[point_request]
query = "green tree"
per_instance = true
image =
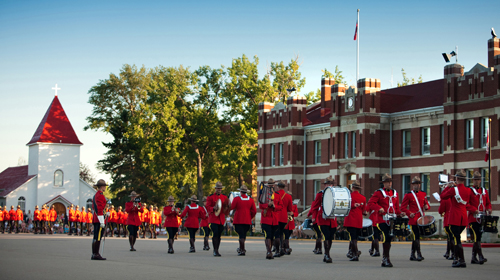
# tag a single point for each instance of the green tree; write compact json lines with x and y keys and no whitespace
{"x":285,"y":77}
{"x":337,"y":75}
{"x":409,"y":81}
{"x":313,"y":96}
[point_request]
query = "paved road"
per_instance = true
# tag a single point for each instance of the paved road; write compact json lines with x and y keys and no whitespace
{"x":27,"y":256}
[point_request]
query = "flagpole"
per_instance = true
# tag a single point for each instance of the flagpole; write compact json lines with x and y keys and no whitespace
{"x":357,"y":53}
{"x":489,"y":158}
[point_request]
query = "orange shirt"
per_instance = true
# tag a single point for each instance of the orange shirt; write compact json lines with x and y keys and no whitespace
{"x":53,"y":215}
{"x":78,"y":216}
{"x":89,"y":217}
{"x":152,"y":217}
{"x":145,"y":216}
{"x":36,"y":215}
{"x":72,"y":215}
{"x":84,"y":216}
{"x":19,"y":215}
{"x":1,"y":216}
{"x":44,"y":215}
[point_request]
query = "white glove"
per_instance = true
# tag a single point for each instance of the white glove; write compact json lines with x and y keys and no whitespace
{"x":101,"y":220}
{"x":107,"y":214}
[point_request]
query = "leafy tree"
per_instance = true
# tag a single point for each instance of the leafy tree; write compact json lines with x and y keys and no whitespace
{"x":285,"y":77}
{"x":409,"y":81}
{"x":337,"y":75}
{"x":86,"y":175}
{"x":313,"y":96}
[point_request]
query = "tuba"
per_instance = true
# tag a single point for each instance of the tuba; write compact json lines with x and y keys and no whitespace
{"x":265,"y":193}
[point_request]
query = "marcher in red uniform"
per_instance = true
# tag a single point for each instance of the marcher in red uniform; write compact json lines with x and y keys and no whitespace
{"x":145,"y":220}
{"x":12,"y":219}
{"x":286,"y":209}
{"x":374,"y":250}
{"x":171,"y":223}
{"x":204,"y":226}
{"x":125,"y":218}
{"x":89,"y":221}
{"x":193,"y":212}
{"x":78,"y":220}
{"x":317,"y":248}
{"x":112,"y":221}
{"x":244,"y":211}
{"x":19,"y":218}
{"x":459,"y":196}
{"x":217,"y":222}
{"x":119,"y":221}
{"x":385,"y":202}
{"x":44,"y":216}
{"x":152,"y":221}
{"x":71,"y":219}
{"x":290,"y":226}
{"x":2,"y":222}
{"x":269,"y":218}
{"x":83,"y":220}
{"x":328,"y":227}
{"x":444,"y":211}
{"x":414,"y":204}
{"x":353,"y":222}
{"x":98,"y":206}
{"x":133,"y":208}
{"x":52,"y":218}
{"x":36,"y":220}
{"x":157,"y":225}
{"x":482,"y":205}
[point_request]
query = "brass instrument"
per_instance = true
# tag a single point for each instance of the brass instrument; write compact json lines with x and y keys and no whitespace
{"x":265,"y":193}
{"x":290,"y":218}
{"x":218,"y":204}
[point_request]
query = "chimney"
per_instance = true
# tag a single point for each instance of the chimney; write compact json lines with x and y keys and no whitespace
{"x":454,"y":70}
{"x":493,"y":50}
{"x":326,"y":91}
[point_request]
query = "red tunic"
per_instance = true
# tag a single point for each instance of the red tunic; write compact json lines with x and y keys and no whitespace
{"x":313,"y":215}
{"x":89,"y":217}
{"x":444,"y":210}
{"x":12,"y":215}
{"x":378,"y":201}
{"x":145,"y":216}
{"x":71,"y":214}
{"x":1,"y":215}
{"x":211,"y":201}
{"x":170,"y":217}
{"x":291,"y":224}
{"x":98,"y":205}
{"x":119,"y":214}
{"x":475,"y":202}
{"x":286,"y":202}
{"x":204,"y":219}
{"x":458,"y":211}
{"x":269,"y":214}
{"x":6,"y":215}
{"x":44,"y":214}
{"x":410,"y":206}
{"x":355,"y":217}
{"x":193,"y":212}
{"x":19,"y":215}
{"x":113,"y":218}
{"x":244,"y":210}
{"x":133,"y":213}
{"x":318,"y":212}
{"x":78,"y":216}
{"x":36,"y":215}
{"x":83,"y":216}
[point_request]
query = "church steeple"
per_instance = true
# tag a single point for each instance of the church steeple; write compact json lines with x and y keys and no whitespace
{"x":55,"y":127}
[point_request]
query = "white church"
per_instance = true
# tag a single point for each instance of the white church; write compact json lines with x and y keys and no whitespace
{"x":52,"y":174}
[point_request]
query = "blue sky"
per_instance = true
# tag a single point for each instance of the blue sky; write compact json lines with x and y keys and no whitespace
{"x":77,"y":43}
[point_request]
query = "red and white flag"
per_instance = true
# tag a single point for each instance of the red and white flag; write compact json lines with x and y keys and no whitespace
{"x":356,"y":31}
{"x":487,"y":145}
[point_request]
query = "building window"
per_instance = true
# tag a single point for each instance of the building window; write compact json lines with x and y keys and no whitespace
{"x":484,"y":131}
{"x":406,"y":185}
{"x":346,"y":144}
{"x":353,"y":144}
{"x":273,"y":155}
{"x":468,"y":180}
{"x":426,"y":140}
{"x":317,"y":186}
{"x":282,"y":156}
{"x":406,"y":143}
{"x":469,"y":134}
{"x":22,"y":202}
{"x":58,"y":178}
{"x":426,"y":184}
{"x":88,"y":204}
{"x":317,"y":152}
{"x":442,"y":138}
{"x":485,"y":182}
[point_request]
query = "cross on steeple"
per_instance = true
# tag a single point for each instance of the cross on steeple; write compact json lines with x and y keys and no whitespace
{"x":56,"y":88}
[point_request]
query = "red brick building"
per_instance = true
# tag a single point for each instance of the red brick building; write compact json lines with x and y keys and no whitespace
{"x":364,"y":132}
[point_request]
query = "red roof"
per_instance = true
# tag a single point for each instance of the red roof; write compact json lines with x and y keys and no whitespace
{"x":12,"y":178}
{"x":55,"y":127}
{"x":313,"y":115}
{"x":417,"y":96}
{"x":59,"y":196}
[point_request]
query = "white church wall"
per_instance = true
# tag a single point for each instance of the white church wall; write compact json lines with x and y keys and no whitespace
{"x":33,"y":160}
{"x":53,"y":157}
{"x":86,"y":192}
{"x":28,"y":191}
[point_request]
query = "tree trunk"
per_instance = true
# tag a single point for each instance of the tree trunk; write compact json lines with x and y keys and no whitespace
{"x":199,"y":176}
{"x":240,"y":177}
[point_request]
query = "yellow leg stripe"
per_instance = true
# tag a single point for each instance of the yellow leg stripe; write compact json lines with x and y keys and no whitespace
{"x":349,"y":235}
{"x":413,"y":235}
{"x":99,"y":236}
{"x":322,"y":233}
{"x":383,"y":234}
{"x":475,"y":236}
{"x":204,"y":233}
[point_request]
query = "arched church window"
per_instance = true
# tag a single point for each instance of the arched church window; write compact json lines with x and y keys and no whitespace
{"x":58,"y":178}
{"x":22,"y":202}
{"x":89,"y":204}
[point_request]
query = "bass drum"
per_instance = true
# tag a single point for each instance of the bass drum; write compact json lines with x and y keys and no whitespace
{"x":490,"y":224}
{"x":401,"y":227}
{"x":336,"y":202}
{"x":307,"y":227}
{"x":427,"y":225}
{"x":367,"y":230}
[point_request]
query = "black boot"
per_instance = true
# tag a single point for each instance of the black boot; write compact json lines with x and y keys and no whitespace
{"x":480,"y":253}
{"x":288,"y":250}
{"x":447,"y":254}
{"x":452,"y":250}
{"x":318,"y":245}
{"x":216,"y":243}
{"x":269,"y":254}
{"x":96,"y":255}
{"x":131,"y":240}
{"x":474,"y":259}
{"x":282,"y":246}
{"x":170,"y":246}
{"x":355,"y":256}
{"x":206,"y":247}
{"x":376,"y":251}
{"x":371,"y":248}
{"x":277,"y":247}
{"x":386,"y":261}
{"x":412,"y":254}
{"x":242,"y":251}
{"x":191,"y":243}
{"x":349,"y":254}
{"x":327,"y":244}
{"x":459,"y":251}
{"x":419,"y":253}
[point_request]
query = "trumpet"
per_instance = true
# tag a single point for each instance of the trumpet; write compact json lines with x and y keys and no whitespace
{"x":290,"y":218}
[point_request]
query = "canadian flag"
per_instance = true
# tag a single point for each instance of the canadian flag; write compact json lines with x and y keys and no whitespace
{"x":487,"y":145}
{"x":356,"y":31}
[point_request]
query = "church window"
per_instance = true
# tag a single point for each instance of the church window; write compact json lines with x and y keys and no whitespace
{"x":22,"y":202}
{"x":58,"y":178}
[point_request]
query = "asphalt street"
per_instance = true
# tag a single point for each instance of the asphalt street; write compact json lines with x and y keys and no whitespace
{"x":28,"y":256}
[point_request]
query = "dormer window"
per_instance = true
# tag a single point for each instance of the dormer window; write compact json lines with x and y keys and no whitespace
{"x":58,"y":178}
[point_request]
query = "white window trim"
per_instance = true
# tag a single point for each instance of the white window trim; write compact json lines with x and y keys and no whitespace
{"x":428,"y":129}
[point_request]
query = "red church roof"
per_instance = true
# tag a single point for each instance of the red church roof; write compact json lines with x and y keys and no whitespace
{"x":12,"y":178}
{"x":55,"y":127}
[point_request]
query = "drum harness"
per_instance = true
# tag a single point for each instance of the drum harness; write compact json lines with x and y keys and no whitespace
{"x":418,"y":204}
{"x":481,"y":203}
{"x":391,"y":205}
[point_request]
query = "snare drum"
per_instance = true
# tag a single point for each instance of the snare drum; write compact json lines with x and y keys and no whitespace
{"x":427,"y":225}
{"x":336,"y":202}
{"x":367,"y":230}
{"x":401,"y":227}
{"x":490,"y":224}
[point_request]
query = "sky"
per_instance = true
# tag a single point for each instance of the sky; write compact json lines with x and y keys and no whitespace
{"x":74,"y":44}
